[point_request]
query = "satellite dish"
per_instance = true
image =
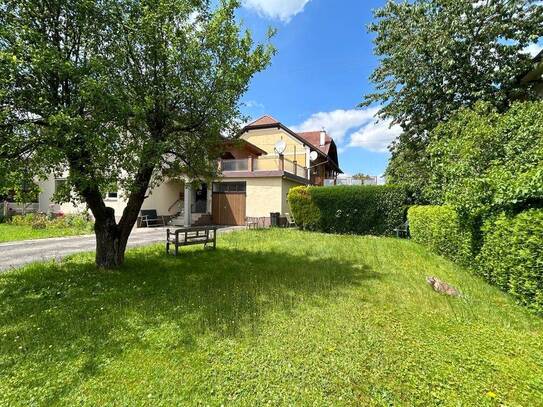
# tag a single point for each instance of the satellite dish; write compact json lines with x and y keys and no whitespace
{"x":280,"y":147}
{"x":313,"y":155}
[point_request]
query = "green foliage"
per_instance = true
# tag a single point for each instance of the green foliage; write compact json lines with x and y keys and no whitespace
{"x":438,"y":56}
{"x":484,"y":162}
{"x":304,"y":211}
{"x":274,"y":317}
{"x":441,"y":230}
{"x":121,"y":91}
{"x":374,"y":210}
{"x":512,"y":256}
{"x":42,"y":221}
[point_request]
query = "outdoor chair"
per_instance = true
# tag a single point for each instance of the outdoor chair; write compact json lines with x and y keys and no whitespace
{"x":402,"y":231}
{"x":290,"y":220}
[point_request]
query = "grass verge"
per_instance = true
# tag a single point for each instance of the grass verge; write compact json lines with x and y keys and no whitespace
{"x":9,"y":233}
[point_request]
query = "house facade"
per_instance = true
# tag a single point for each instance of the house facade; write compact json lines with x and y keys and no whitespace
{"x":256,"y":173}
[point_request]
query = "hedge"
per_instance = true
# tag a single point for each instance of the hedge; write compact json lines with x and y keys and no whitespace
{"x":512,"y":256}
{"x":305,"y":213}
{"x":374,"y":210}
{"x":441,"y":230}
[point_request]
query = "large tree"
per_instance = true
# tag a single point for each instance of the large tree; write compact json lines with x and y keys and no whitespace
{"x":121,"y":91}
{"x":437,"y":56}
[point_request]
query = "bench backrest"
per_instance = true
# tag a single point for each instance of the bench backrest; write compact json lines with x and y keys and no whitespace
{"x":150,"y":213}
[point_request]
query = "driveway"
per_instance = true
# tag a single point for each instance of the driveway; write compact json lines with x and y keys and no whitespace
{"x":17,"y":254}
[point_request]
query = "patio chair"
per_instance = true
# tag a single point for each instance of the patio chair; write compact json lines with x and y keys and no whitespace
{"x":290,"y":220}
{"x":251,"y":223}
{"x":402,"y":231}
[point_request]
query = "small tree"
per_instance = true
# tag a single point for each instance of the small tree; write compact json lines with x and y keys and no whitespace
{"x":122,"y":91}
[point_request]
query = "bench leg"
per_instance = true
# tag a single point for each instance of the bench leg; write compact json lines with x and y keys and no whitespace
{"x":176,"y":249}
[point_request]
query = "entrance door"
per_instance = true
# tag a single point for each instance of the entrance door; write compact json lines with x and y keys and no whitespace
{"x":229,"y":200}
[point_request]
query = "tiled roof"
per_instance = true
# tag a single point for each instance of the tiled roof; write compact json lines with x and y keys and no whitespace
{"x":314,"y":138}
{"x":264,"y":121}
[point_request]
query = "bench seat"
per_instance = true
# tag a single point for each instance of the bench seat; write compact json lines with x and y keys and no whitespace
{"x":190,"y":236}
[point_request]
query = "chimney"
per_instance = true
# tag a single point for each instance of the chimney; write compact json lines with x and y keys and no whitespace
{"x":323,"y":137}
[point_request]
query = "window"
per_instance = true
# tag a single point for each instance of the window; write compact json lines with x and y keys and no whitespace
{"x":112,"y":193}
{"x":223,"y":187}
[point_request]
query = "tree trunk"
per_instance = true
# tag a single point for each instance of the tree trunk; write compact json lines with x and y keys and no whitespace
{"x":110,"y":242}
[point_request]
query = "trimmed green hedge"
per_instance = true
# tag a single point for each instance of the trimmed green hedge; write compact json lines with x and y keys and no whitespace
{"x":305,"y":213}
{"x":374,"y":210}
{"x":512,"y":256}
{"x":440,"y":229}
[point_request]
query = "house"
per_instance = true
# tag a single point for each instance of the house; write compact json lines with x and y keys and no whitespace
{"x":256,"y":173}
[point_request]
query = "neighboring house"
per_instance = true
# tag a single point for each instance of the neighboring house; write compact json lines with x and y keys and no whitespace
{"x":254,"y":181}
{"x":535,"y":74}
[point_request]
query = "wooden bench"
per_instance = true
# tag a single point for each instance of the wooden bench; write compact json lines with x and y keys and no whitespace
{"x":149,"y":217}
{"x":191,"y":236}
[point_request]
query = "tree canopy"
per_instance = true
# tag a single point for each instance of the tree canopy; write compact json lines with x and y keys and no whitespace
{"x":437,"y":56}
{"x":122,"y":91}
{"x":483,"y":162}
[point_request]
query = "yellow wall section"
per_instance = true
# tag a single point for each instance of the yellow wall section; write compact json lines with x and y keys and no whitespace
{"x":263,"y":195}
{"x":266,"y":139}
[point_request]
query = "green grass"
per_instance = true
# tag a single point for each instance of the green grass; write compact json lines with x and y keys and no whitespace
{"x":271,"y":317}
{"x":10,"y":233}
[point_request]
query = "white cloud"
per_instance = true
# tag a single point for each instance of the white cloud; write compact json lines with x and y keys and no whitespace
{"x":282,"y":10}
{"x":533,"y":49}
{"x":338,"y":122}
{"x":253,"y":104}
{"x":375,"y":136}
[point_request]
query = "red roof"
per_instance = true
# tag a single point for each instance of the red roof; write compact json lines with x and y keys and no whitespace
{"x":314,"y":138}
{"x":264,"y":121}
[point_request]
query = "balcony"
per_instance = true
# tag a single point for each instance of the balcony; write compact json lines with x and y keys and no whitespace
{"x":266,"y":165}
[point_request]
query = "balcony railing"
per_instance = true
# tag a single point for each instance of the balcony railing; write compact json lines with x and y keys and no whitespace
{"x":266,"y":163}
{"x":235,"y":165}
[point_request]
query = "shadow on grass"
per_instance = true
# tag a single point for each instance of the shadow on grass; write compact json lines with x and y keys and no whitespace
{"x":59,"y":314}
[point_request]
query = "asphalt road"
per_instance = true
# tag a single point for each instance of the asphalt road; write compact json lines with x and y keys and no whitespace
{"x":17,"y":254}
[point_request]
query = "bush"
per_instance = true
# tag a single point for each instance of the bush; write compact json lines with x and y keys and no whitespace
{"x":512,"y":256}
{"x":375,"y":210}
{"x":41,"y":221}
{"x":441,"y":230}
{"x":305,"y":213}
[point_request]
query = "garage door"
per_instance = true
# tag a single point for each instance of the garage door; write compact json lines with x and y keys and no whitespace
{"x":229,"y":199}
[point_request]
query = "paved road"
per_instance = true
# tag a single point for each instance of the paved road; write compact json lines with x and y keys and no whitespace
{"x":16,"y":254}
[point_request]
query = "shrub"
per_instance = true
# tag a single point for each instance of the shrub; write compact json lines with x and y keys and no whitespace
{"x":41,"y":221}
{"x":441,"y":230}
{"x":484,"y":162}
{"x":512,"y":256}
{"x":375,"y":210}
{"x":305,"y":213}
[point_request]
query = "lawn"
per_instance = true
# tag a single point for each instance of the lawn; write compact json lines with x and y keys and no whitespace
{"x":272,"y":317}
{"x":10,"y":233}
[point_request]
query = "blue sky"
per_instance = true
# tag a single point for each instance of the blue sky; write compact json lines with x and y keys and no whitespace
{"x":320,"y":74}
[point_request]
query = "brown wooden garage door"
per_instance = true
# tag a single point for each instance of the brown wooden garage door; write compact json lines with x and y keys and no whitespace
{"x":229,"y":201}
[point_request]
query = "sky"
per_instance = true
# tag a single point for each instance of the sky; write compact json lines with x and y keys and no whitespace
{"x":321,"y":74}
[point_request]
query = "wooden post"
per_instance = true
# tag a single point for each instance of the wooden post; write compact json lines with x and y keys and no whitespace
{"x":250,"y":164}
{"x":295,"y":163}
{"x":281,"y":162}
